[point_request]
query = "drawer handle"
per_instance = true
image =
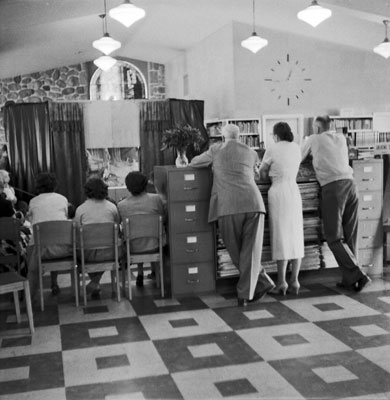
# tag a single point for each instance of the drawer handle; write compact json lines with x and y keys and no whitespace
{"x":368,"y":179}
{"x":192,"y":281}
{"x":368,"y":208}
{"x":367,"y":237}
{"x":189,"y":219}
{"x":368,"y":265}
{"x":190,"y":187}
{"x":192,"y":250}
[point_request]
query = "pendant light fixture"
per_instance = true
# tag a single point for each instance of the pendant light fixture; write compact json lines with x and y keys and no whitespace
{"x":127,"y":13}
{"x":254,"y":42}
{"x":314,"y":14}
{"x":106,"y":44}
{"x":383,"y":49}
{"x":105,"y":62}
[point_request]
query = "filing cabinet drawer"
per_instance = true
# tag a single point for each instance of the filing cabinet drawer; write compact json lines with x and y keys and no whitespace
{"x":371,"y":261}
{"x":368,"y":175}
{"x":193,"y":278}
{"x":189,"y":216}
{"x":189,"y":185}
{"x":370,"y":205}
{"x":192,"y":247}
{"x":370,"y":234}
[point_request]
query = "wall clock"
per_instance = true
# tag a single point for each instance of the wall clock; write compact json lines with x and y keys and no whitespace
{"x":288,"y":79}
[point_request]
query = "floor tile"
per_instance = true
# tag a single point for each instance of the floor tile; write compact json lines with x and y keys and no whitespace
{"x":188,"y":353}
{"x":45,"y":372}
{"x":379,"y":356}
{"x":44,"y":340}
{"x":14,"y":374}
{"x":256,"y":315}
{"x":159,"y":326}
{"x":267,"y":343}
{"x":254,"y":380}
{"x":357,"y":333}
{"x":378,"y":300}
{"x":143,"y":358}
{"x":315,"y":376}
{"x":41,"y":318}
{"x":96,"y":311}
{"x":49,"y":394}
{"x":153,"y":305}
{"x":152,"y":387}
{"x":329,"y":308}
{"x":105,"y":332}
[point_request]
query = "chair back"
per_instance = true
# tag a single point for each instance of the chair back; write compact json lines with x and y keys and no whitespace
{"x":99,"y":236}
{"x":51,"y":233}
{"x":143,"y":226}
{"x":10,"y":230}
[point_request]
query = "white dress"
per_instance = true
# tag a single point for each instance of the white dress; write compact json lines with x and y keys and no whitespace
{"x":284,"y":201}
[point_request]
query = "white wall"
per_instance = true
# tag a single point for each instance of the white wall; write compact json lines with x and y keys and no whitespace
{"x":231,"y":79}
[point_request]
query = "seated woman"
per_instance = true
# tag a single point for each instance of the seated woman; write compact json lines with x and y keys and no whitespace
{"x":46,"y":206}
{"x":8,"y":191}
{"x":140,"y":202}
{"x":96,"y":209}
{"x":280,"y":164}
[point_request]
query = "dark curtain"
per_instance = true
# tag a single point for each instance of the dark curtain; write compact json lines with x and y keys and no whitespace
{"x":154,"y":120}
{"x":69,"y":155}
{"x":191,"y":112}
{"x":30,"y":144}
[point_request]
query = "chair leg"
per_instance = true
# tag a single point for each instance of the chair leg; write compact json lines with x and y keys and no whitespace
{"x":124,"y":281}
{"x":112,"y":282}
{"x":41,"y":291}
{"x":162,"y":278}
{"x":17,"y":306}
{"x":118,"y":290}
{"x":84,"y":289}
{"x":129,"y":281}
{"x":75,"y":285}
{"x":28,"y":306}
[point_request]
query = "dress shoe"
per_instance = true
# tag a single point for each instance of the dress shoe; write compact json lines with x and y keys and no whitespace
{"x":294,"y":287}
{"x":256,"y":298}
{"x":361,"y":283}
{"x":281,"y":288}
{"x":140,"y":281}
{"x":55,"y":289}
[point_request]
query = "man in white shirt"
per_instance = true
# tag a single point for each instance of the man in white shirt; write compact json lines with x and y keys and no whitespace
{"x":339,"y":200}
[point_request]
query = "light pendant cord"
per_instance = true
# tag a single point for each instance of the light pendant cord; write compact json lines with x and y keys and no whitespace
{"x":253,"y":15}
{"x":386,"y":22}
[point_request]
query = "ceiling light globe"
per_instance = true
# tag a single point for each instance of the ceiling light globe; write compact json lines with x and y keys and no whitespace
{"x":254,"y":43}
{"x":314,"y":14}
{"x":105,"y":62}
{"x":383,"y":49}
{"x":106,"y":44}
{"x":127,"y":13}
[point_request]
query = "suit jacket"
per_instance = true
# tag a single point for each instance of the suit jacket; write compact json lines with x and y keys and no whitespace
{"x":234,"y":188}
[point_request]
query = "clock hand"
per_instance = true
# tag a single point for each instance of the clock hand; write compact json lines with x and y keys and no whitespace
{"x":289,"y":75}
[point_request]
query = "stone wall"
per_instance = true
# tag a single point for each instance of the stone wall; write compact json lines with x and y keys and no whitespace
{"x":64,"y":83}
{"x":156,"y":78}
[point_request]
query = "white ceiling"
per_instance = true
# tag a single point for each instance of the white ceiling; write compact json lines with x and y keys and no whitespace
{"x":40,"y":34}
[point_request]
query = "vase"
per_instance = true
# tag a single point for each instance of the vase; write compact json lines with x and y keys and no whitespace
{"x":181,"y":159}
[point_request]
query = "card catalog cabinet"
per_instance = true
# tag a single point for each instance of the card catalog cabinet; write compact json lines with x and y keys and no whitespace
{"x":368,"y":176}
{"x":191,"y":237}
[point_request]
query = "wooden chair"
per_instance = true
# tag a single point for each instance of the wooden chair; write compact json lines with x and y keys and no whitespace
{"x":53,"y":233}
{"x":10,"y":230}
{"x":144,"y":226}
{"x":100,"y":236}
{"x":11,"y":282}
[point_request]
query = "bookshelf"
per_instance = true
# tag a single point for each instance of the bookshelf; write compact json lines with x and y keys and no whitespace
{"x":249,"y":130}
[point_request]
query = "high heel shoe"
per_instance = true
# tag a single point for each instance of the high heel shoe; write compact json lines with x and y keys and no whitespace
{"x":280,"y":289}
{"x":295,"y":286}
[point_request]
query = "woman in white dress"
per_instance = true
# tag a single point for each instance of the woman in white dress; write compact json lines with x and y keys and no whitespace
{"x":280,"y":164}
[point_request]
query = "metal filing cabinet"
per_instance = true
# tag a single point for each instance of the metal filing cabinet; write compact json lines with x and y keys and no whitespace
{"x":191,"y":237}
{"x":368,"y":176}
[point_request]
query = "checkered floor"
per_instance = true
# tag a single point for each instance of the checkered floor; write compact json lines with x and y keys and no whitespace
{"x":323,"y":343}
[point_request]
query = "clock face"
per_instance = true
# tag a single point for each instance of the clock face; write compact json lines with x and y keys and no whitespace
{"x":288,"y":79}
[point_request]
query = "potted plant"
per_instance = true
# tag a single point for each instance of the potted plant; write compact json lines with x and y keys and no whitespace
{"x":179,"y":138}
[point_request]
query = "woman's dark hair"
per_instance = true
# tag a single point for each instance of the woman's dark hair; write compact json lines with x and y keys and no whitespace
{"x":283,"y":131}
{"x":136,"y":182}
{"x":95,"y":188}
{"x":45,"y":182}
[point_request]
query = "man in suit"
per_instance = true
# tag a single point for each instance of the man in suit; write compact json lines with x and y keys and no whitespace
{"x":339,"y":200}
{"x":237,"y":205}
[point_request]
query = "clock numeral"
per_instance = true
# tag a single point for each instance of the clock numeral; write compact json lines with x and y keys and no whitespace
{"x":279,"y":97}
{"x":288,"y":101}
{"x":278,"y":62}
{"x":302,"y":91}
{"x":303,"y":69}
{"x":288,"y":57}
{"x":268,"y":79}
{"x":297,"y":96}
{"x":307,"y":79}
{"x":272,"y":70}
